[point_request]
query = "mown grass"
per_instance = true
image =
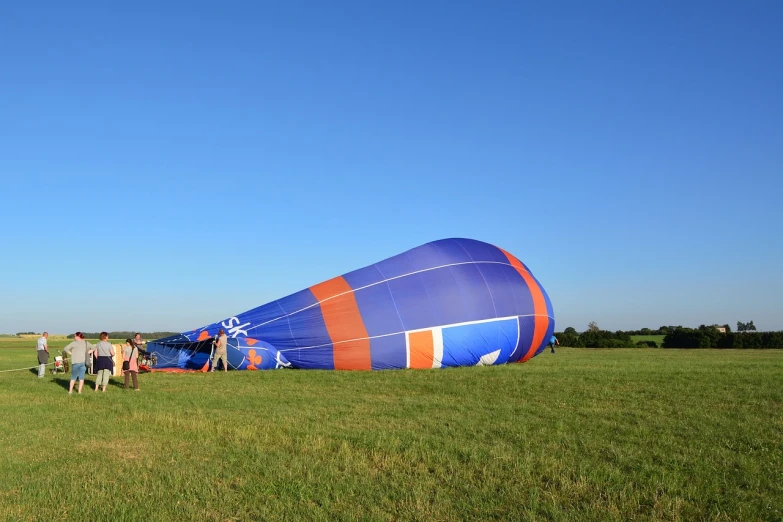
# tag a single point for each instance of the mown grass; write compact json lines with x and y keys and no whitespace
{"x":657,"y":338}
{"x":578,"y":435}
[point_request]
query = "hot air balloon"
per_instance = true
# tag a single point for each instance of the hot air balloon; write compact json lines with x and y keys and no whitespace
{"x":452,"y":302}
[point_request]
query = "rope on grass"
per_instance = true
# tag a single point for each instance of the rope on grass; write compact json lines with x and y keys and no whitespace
{"x":30,"y":368}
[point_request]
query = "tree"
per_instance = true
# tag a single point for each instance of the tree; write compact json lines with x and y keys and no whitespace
{"x":592,"y":326}
{"x":746,"y":327}
{"x":569,"y":337}
{"x":647,"y":344}
{"x":701,"y":337}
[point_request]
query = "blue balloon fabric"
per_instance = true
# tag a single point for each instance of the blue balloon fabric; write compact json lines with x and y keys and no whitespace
{"x":452,"y":302}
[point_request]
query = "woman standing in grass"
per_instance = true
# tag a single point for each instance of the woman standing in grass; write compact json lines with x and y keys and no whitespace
{"x":105,"y":366}
{"x":129,"y":356}
{"x":79,"y":350}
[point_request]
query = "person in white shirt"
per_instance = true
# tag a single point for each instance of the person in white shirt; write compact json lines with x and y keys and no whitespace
{"x":43,"y":354}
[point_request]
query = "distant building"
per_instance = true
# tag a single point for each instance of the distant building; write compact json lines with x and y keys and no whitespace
{"x":721,"y":329}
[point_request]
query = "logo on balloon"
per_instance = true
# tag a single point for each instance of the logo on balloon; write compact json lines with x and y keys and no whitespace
{"x":234,"y":328}
{"x":254,"y":358}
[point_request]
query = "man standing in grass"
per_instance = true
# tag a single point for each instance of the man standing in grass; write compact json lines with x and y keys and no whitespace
{"x":79,"y":350}
{"x":552,"y":342}
{"x":43,"y":354}
{"x":221,"y":351}
{"x":139,"y":343}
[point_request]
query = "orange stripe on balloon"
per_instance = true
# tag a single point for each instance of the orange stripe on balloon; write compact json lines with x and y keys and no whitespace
{"x":539,"y":305}
{"x":351,"y":346}
{"x":203,"y":336}
{"x":422,"y":349}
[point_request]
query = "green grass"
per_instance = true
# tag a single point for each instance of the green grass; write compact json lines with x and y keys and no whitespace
{"x":657,"y":338}
{"x":578,"y":435}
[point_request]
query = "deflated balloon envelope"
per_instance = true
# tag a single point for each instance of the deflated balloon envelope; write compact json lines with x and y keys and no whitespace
{"x":452,"y":302}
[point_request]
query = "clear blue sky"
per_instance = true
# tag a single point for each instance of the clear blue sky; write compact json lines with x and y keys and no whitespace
{"x":168,"y":164}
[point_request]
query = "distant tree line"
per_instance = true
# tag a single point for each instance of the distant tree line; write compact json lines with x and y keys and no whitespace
{"x":709,"y":337}
{"x":662,"y":330}
{"x":674,"y":337}
{"x":594,"y":338}
{"x":128,"y":335}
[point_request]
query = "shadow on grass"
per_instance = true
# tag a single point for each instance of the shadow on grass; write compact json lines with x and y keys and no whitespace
{"x":63,"y":382}
{"x":89,"y":384}
{"x":115,"y":382}
{"x":118,"y":383}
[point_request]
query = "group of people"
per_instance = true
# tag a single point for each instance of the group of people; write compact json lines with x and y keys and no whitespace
{"x":80,"y":351}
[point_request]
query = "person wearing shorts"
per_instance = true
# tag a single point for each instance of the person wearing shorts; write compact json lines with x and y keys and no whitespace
{"x":221,"y":351}
{"x":79,"y":350}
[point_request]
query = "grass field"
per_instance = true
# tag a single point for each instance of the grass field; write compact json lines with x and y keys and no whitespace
{"x":657,"y":338}
{"x":578,"y":435}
